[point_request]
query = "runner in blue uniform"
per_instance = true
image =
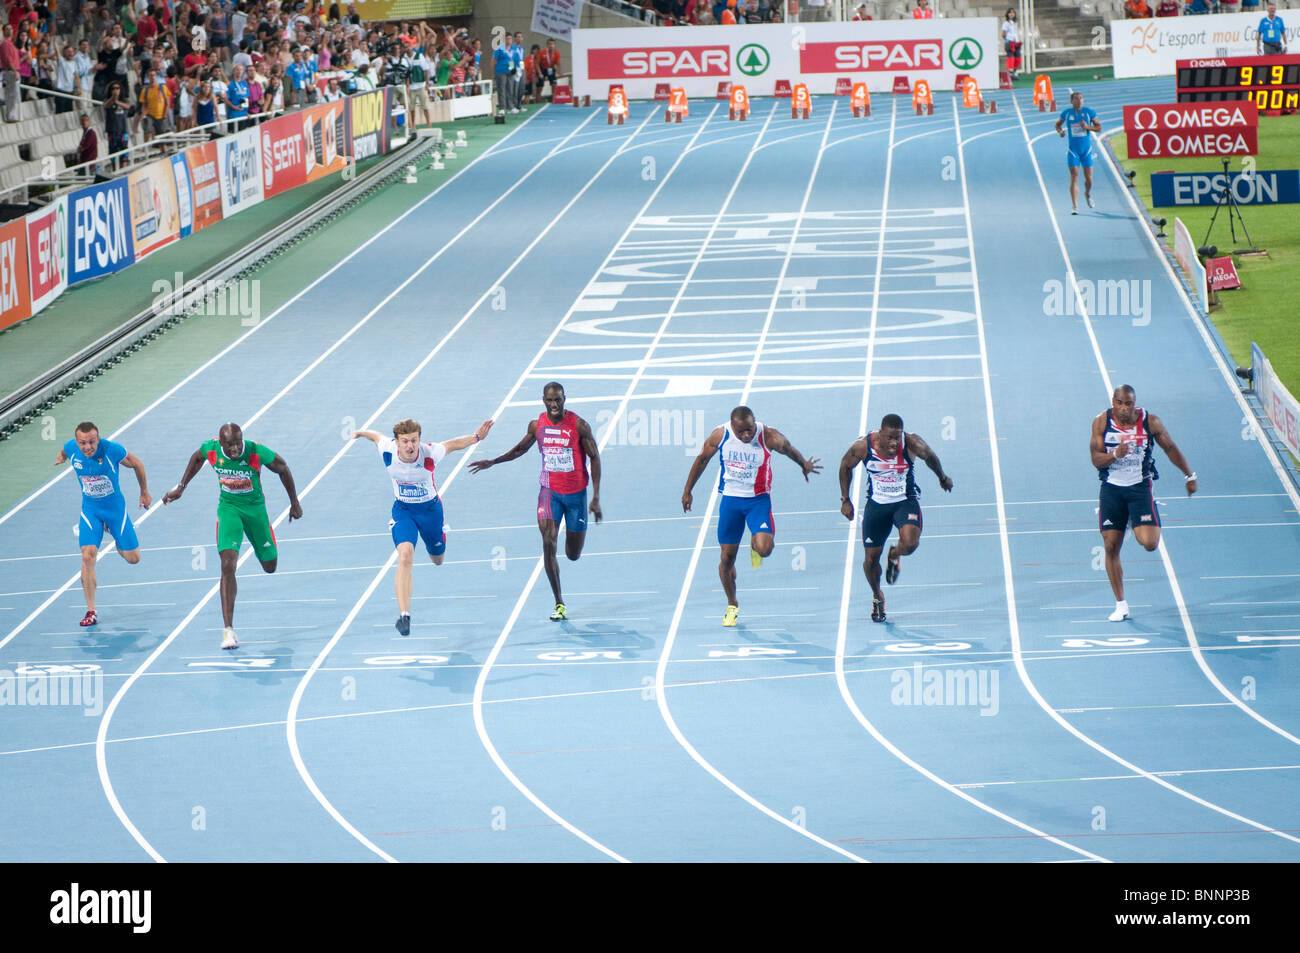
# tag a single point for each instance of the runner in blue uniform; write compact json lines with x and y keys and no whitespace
{"x":96,"y":463}
{"x":1122,"y":442}
{"x":1076,"y":123}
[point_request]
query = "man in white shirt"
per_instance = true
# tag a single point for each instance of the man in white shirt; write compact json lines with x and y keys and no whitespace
{"x":360,"y":54}
{"x":238,"y":23}
{"x":66,"y":80}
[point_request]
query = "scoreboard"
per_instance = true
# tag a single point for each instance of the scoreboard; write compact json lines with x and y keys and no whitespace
{"x":1272,"y":82}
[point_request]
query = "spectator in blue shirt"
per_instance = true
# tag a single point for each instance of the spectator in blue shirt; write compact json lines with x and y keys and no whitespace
{"x":1196,"y":8}
{"x":237,"y":98}
{"x":302,"y":78}
{"x":1272,"y":33}
{"x":517,"y":73}
{"x":501,"y":63}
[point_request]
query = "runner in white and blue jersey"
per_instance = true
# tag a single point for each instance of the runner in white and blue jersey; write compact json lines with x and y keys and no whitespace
{"x":417,"y":508}
{"x":1122,"y":442}
{"x":888,"y":456}
{"x":96,"y":463}
{"x":1076,"y":124}
{"x":744,"y":448}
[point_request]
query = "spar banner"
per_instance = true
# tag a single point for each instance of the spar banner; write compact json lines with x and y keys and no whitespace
{"x":1169,"y":143}
{"x":205,"y":184}
{"x":1153,"y":47}
{"x":757,"y":56}
{"x":369,"y":124}
{"x":47,"y":252}
{"x":15,"y":289}
{"x":1283,"y":409}
{"x":184,"y":194}
{"x":240,"y":168}
{"x":284,"y":165}
{"x":557,"y":18}
{"x":1260,"y":187}
{"x":99,"y":231}
{"x":155,"y":215}
{"x":325,"y":138}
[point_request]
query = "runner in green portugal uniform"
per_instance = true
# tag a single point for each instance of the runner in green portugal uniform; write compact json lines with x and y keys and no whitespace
{"x":241,"y":508}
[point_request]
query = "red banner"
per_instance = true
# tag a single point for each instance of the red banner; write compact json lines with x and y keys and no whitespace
{"x":47,"y":253}
{"x":325,"y":138}
{"x":284,"y":165}
{"x":1167,"y":143}
{"x":205,"y":184}
{"x":1192,"y":117}
{"x":15,"y":297}
{"x":1222,"y":274}
{"x":878,"y":56}
{"x":664,"y":61}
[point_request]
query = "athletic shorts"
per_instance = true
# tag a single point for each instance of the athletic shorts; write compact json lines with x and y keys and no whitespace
{"x":1074,"y":159}
{"x":1125,"y":505}
{"x":234,"y":522}
{"x":567,"y":508}
{"x":111,"y":513}
{"x":737,"y":512}
{"x":419,"y":520}
{"x":880,"y":519}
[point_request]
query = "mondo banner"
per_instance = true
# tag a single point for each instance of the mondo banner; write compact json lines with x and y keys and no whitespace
{"x":325,"y":138}
{"x":817,"y":54}
{"x":239,"y":165}
{"x":99,"y":231}
{"x":155,"y":215}
{"x":283,"y":163}
{"x":47,"y":253}
{"x":369,"y":124}
{"x":205,"y":184}
{"x":15,"y":294}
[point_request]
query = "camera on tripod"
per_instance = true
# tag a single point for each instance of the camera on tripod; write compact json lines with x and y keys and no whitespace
{"x":1228,"y":197}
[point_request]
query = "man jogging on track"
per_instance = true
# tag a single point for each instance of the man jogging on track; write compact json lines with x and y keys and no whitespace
{"x":566,"y":444}
{"x":96,"y":462}
{"x":1075,"y":123}
{"x":417,"y":509}
{"x":241,"y":508}
{"x":1122,"y":451}
{"x":888,"y":456}
{"x":744,"y":448}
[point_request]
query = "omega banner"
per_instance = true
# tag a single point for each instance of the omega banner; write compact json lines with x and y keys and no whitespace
{"x":813,"y":53}
{"x":1192,"y":129}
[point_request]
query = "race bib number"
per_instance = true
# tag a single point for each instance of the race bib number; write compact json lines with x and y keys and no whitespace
{"x":96,"y":487}
{"x":236,"y":484}
{"x":558,"y":459}
{"x":1078,"y":130}
{"x":412,"y":491}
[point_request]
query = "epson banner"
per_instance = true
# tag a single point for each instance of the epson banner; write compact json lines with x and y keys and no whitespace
{"x":99,"y":232}
{"x":1261,"y":187}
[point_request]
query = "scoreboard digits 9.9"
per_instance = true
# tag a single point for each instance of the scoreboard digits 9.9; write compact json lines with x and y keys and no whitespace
{"x":1272,"y":82}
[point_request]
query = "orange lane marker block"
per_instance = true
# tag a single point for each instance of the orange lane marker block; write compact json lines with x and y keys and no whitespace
{"x":922,"y":98}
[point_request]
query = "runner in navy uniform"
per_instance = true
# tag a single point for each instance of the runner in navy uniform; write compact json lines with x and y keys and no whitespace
{"x":893,"y":499}
{"x":1122,"y":444}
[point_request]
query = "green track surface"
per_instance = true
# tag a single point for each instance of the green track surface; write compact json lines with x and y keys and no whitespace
{"x":87,"y":312}
{"x":1264,"y":308}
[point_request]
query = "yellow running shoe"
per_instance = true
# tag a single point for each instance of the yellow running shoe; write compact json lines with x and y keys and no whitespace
{"x":755,"y":559}
{"x":730,"y":618}
{"x":558,"y":615}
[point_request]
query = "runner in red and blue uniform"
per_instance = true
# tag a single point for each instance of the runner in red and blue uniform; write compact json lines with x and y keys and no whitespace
{"x":566,"y":445}
{"x":744,"y":448}
{"x":1121,"y":448}
{"x":96,"y":463}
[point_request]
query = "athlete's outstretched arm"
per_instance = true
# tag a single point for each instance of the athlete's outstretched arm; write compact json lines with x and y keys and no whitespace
{"x":920,"y":450}
{"x":701,"y":461}
{"x":777,"y":441}
{"x":60,"y":458}
{"x":132,"y":461}
{"x":279,"y":466}
{"x":372,"y":435}
{"x":191,"y":468}
{"x":519,"y":449}
{"x":460,"y":443}
{"x":856,"y":453}
{"x":1166,"y":442}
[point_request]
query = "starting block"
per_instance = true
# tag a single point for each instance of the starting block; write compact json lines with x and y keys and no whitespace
{"x":800,"y":102}
{"x":617,"y":106}
{"x":960,"y":85}
{"x":860,"y":101}
{"x":662,"y":92}
{"x":922,"y":99}
{"x":901,"y":85}
{"x":843,"y":86}
{"x":724,"y":90}
{"x":563,"y":95}
{"x":739,"y":106}
{"x":972,"y":97}
{"x":1043,"y":96}
{"x":678,"y":108}
{"x":1004,"y":80}
{"x":782,"y":90}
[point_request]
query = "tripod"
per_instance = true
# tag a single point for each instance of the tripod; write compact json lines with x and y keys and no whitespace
{"x":1234,"y":209}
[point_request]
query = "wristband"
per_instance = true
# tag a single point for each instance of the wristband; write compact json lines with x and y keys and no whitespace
{"x":845,"y":499}
{"x":1190,"y":478}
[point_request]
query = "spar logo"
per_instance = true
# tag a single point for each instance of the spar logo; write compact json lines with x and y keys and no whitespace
{"x":753,"y":60}
{"x":874,"y":55}
{"x":668,"y":62}
{"x":965,"y":53}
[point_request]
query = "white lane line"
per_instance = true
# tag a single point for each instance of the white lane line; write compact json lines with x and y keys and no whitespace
{"x":1182,"y":608}
{"x":291,"y":723}
{"x":1135,"y":777}
{"x":100,"y":752}
{"x":841,"y":636}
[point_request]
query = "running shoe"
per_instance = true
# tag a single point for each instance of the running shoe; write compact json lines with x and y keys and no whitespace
{"x":755,"y":559}
{"x":1074,"y":211}
{"x":1120,"y":613}
{"x":1091,"y":202}
{"x":894,"y":566}
{"x":729,"y":619}
{"x":403,"y":624}
{"x":877,"y":610}
{"x":229,"y":639}
{"x":90,"y":618}
{"x":559,"y":615}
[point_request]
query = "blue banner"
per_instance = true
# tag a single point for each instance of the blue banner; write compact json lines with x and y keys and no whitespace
{"x":1261,"y":187}
{"x":99,"y":231}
